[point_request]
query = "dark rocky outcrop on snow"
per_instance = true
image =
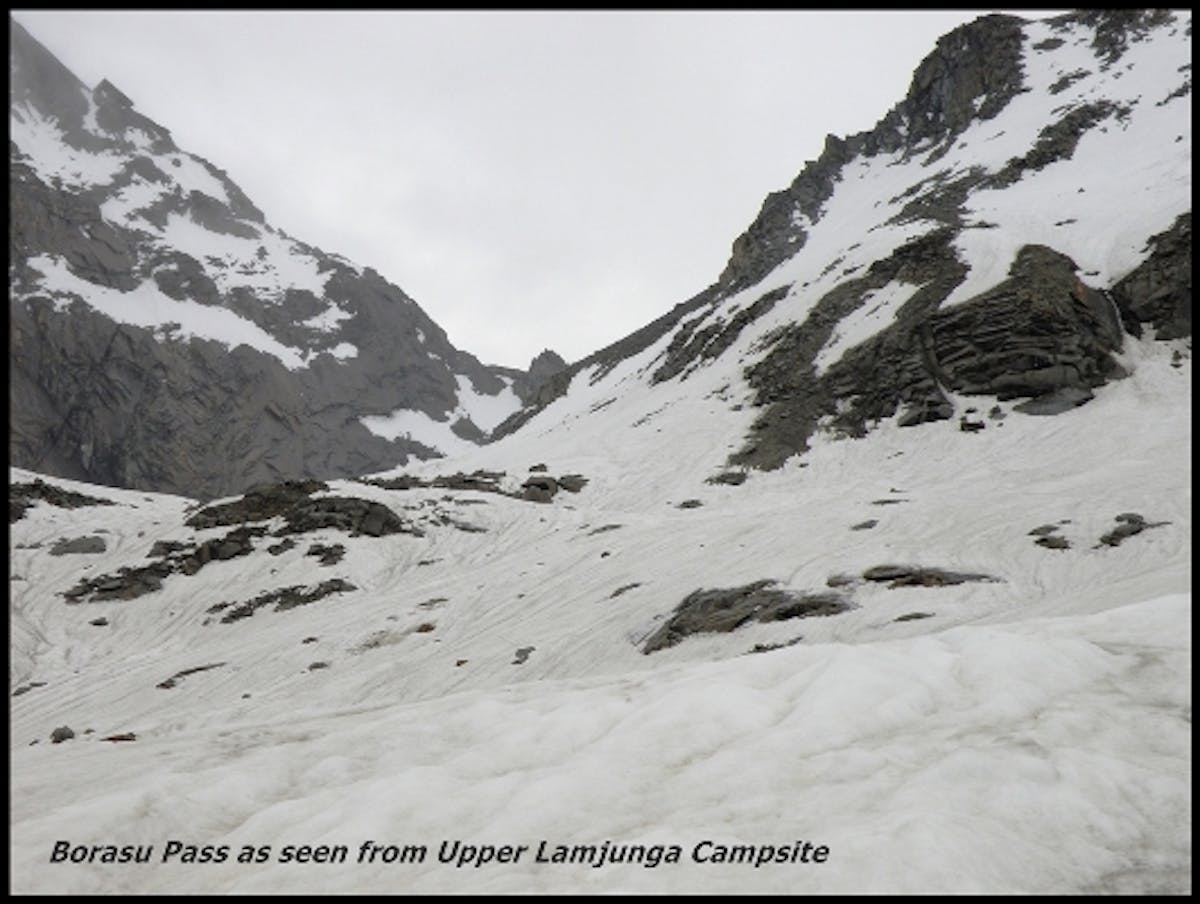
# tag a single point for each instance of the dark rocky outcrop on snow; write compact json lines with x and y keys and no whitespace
{"x":1159,"y":292}
{"x":79,"y":546}
{"x":283,"y":599}
{"x":1129,"y":524}
{"x":21,"y":496}
{"x":725,"y":610}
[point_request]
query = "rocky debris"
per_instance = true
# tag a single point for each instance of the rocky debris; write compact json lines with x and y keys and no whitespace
{"x":329,"y":555}
{"x":966,"y":425}
{"x":539,"y":468}
{"x":690,"y":504}
{"x":624,"y":589}
{"x":21,"y":496}
{"x":260,"y":503}
{"x":728,"y":478}
{"x":603,"y":529}
{"x":915,"y":576}
{"x":309,"y":640}
{"x":768,"y":647}
{"x":347,"y":513}
{"x":482,"y":481}
{"x":60,"y":734}
{"x":912,"y":616}
{"x":282,"y":546}
{"x":117,"y":738}
{"x":522,"y":654}
{"x":178,"y":676}
{"x":164,"y":548}
{"x":100,"y":622}
{"x":1129,"y":524}
{"x":1053,"y":542}
{"x":26,"y":688}
{"x":539,"y":489}
{"x":79,"y":545}
{"x":234,"y":544}
{"x":314,"y":666}
{"x":865,"y":525}
{"x":284,"y":599}
{"x":724,"y":610}
{"x":1045,"y":537}
{"x":572,"y":483}
{"x":424,"y":627}
{"x":128,"y":583}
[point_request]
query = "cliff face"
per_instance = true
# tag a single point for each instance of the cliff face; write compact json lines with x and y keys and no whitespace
{"x":166,"y":337}
{"x":994,"y":235}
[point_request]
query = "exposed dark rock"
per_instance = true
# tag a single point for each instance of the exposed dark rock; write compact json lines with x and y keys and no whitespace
{"x":124,"y":736}
{"x":100,"y":622}
{"x":79,"y":545}
{"x":865,"y":525}
{"x":347,"y":513}
{"x":287,"y":598}
{"x":314,"y":666}
{"x":1159,"y":291}
{"x":424,"y":627}
{"x":165,"y":548}
{"x":260,"y":503}
{"x":60,"y":734}
{"x":1044,"y":530}
{"x":689,"y":347}
{"x":915,"y":576}
{"x":1129,"y":524}
{"x":329,"y":555}
{"x":623,"y":589}
{"x":539,"y":489}
{"x":26,"y":688}
{"x":537,"y":468}
{"x":724,"y":610}
{"x":913,"y":616}
{"x":23,"y":495}
{"x":522,"y":654}
{"x":282,"y":546}
{"x":690,"y":504}
{"x":768,"y":647}
{"x":178,"y":676}
{"x":728,"y":478}
{"x":603,"y":529}
{"x":1051,"y":542}
{"x":572,"y":483}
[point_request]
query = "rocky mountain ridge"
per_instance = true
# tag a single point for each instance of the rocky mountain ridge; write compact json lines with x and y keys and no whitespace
{"x":947,"y":288}
{"x":154,"y":308}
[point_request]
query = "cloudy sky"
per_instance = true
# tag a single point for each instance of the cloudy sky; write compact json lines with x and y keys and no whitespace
{"x":533,"y":180}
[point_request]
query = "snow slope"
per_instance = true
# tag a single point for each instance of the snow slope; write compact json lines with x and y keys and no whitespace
{"x":484,"y":685}
{"x":1033,"y":735}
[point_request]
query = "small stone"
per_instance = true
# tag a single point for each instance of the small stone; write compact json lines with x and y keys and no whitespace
{"x":63,"y":733}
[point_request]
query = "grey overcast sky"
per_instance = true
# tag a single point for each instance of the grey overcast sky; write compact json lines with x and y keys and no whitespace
{"x":531,"y":179}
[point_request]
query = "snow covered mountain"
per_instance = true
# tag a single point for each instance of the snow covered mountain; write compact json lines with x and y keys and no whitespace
{"x":866,"y":570}
{"x":154,"y":307}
